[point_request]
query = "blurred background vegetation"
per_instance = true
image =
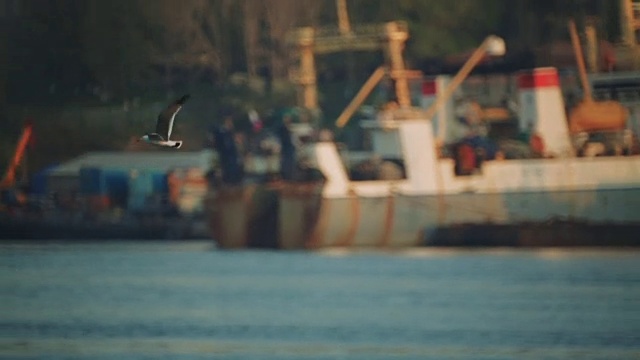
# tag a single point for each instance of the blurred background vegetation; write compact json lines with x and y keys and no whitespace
{"x":92,"y":74}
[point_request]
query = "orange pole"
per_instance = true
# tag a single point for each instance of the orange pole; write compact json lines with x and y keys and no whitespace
{"x":361,"y":96}
{"x":10,"y":175}
{"x":577,"y":49}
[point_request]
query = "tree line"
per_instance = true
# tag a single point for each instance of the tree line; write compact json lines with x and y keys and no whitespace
{"x":70,"y":49}
{"x":58,"y":58}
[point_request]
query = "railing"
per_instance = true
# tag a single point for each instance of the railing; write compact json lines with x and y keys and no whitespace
{"x":330,"y":39}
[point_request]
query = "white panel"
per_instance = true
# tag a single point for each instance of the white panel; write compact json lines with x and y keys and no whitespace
{"x":419,"y":155}
{"x":330,"y":164}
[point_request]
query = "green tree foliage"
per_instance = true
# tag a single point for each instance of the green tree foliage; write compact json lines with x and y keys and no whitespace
{"x":4,"y":64}
{"x":192,"y":33}
{"x":443,"y":27}
{"x":116,"y":44}
{"x":133,"y":47}
{"x":129,"y":43}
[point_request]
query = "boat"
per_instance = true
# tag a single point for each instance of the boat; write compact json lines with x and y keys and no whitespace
{"x":505,"y":202}
{"x":119,"y":195}
{"x":580,"y":190}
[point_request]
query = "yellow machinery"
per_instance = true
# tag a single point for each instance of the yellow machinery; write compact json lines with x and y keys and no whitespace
{"x":391,"y":38}
{"x":590,"y":115}
{"x":311,"y":41}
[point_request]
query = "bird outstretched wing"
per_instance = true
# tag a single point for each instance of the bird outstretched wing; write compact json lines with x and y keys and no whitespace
{"x":164,"y":125}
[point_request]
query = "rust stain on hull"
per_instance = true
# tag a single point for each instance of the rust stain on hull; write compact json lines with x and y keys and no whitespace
{"x":388,"y":222}
{"x":299,"y":213}
{"x":320,"y":229}
{"x":289,"y":216}
{"x":225,"y":204}
{"x":348,"y":238}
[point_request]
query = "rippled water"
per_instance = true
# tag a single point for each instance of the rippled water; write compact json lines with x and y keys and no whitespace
{"x":189,"y":301}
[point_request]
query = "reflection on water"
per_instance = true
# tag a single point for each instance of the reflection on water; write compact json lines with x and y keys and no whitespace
{"x":189,"y":301}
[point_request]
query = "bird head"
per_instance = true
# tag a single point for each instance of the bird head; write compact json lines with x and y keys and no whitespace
{"x":144,"y":138}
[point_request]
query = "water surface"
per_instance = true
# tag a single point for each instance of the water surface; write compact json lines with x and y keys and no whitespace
{"x":144,"y":300}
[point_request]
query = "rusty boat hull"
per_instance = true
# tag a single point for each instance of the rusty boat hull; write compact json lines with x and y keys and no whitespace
{"x":273,"y":215}
{"x":556,"y":198}
{"x":294,"y":216}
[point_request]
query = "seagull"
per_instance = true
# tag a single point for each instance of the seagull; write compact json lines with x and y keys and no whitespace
{"x":164,"y":125}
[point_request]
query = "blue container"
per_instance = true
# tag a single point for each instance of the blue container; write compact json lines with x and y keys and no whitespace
{"x":160,"y":183}
{"x":136,"y":202}
{"x":141,"y":187}
{"x":92,"y":181}
{"x":117,"y":185}
{"x":38,"y":183}
{"x":140,"y":182}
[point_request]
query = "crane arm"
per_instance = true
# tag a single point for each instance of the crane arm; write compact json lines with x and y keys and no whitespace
{"x":361,"y":96}
{"x":577,"y":49}
{"x":10,"y":175}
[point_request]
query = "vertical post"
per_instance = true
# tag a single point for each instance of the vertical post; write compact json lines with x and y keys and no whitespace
{"x":344,"y":26}
{"x":577,"y":49}
{"x":592,"y":47}
{"x":308,"y":68}
{"x":397,"y":38}
{"x":627,"y":22}
{"x":4,"y":60}
{"x":343,"y":17}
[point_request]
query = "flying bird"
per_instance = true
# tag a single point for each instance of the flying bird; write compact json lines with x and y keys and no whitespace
{"x":164,"y":126}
